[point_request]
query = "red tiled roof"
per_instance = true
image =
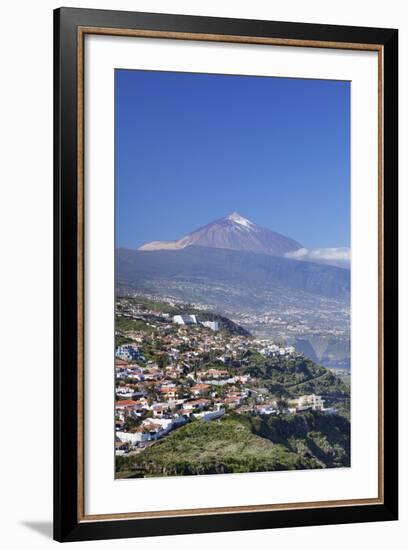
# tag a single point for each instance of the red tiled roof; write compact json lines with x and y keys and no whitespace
{"x":198,"y":402}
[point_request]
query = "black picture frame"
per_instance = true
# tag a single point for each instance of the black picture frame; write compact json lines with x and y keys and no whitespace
{"x":67,"y":525}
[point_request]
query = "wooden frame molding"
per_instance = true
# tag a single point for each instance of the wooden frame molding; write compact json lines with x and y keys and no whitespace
{"x":82,"y":32}
{"x":71,"y":28}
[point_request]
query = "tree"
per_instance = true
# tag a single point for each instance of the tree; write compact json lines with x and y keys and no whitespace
{"x":281,"y":404}
{"x":162,"y":361}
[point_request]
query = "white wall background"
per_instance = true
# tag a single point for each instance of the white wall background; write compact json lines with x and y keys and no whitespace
{"x":26,"y":272}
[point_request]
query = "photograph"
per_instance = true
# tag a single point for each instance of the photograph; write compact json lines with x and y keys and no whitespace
{"x":233,"y":265}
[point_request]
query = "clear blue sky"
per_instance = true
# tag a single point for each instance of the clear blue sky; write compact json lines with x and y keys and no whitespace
{"x":192,"y":148}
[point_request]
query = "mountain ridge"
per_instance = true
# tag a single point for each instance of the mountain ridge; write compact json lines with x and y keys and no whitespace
{"x":196,"y":263}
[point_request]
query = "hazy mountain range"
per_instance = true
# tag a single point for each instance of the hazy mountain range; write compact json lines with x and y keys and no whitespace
{"x":250,"y":270}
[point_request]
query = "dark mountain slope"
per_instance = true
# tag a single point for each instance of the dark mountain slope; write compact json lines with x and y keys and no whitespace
{"x":138,"y":268}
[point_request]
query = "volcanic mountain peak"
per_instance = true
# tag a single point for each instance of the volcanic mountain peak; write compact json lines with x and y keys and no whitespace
{"x":234,"y":232}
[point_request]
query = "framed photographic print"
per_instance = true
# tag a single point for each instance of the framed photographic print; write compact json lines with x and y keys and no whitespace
{"x":225,"y":274}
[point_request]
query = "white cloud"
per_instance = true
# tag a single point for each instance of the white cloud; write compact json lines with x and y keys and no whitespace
{"x":333,"y":256}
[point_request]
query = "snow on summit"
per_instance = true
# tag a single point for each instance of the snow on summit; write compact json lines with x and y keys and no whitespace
{"x":234,"y":232}
{"x":237,"y":218}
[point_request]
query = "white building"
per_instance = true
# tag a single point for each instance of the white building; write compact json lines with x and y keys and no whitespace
{"x":209,"y":415}
{"x":314,"y":402}
{"x":266,"y":409}
{"x":192,"y":320}
{"x":128,"y":352}
{"x":125,"y":392}
{"x":185,"y":319}
{"x":133,"y":437}
{"x":150,"y":429}
{"x":270,"y":351}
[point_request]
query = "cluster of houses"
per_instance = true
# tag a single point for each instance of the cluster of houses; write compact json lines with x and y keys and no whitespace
{"x":155,"y":403}
{"x":157,"y":400}
{"x":169,"y":375}
{"x":273,"y":350}
{"x":163,"y":420}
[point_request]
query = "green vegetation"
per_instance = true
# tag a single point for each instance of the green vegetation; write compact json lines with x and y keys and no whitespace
{"x":122,"y":340}
{"x":291,"y":377}
{"x":311,"y":434}
{"x":244,"y":443}
{"x":124,"y":324}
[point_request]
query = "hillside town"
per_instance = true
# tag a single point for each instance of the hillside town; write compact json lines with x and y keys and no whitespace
{"x":173,"y":369}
